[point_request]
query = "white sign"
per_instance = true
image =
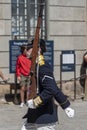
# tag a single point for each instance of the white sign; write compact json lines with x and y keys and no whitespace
{"x":68,"y":59}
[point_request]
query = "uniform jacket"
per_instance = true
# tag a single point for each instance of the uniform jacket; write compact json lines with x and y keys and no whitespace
{"x":47,"y":111}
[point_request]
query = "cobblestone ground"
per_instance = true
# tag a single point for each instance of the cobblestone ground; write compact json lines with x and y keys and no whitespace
{"x":11,"y":117}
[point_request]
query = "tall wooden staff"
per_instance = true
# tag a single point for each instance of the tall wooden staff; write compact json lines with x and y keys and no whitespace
{"x":33,"y":87}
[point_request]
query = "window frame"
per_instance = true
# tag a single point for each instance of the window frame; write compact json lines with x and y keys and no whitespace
{"x":29,"y":30}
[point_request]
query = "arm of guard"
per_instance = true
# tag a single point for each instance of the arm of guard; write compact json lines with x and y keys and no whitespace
{"x":50,"y":89}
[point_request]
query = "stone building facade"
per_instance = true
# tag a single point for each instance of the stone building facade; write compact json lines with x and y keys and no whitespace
{"x":66,"y":25}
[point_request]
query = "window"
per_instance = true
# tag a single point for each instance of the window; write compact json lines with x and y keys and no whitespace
{"x":24,"y":18}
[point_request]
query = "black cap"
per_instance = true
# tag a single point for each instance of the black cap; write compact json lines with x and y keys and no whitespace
{"x":41,"y":44}
{"x":29,"y":46}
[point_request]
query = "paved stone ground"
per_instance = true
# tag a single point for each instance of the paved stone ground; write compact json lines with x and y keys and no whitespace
{"x":79,"y":122}
{"x":11,"y":117}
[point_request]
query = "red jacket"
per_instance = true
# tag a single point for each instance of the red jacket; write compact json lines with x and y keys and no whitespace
{"x":23,"y":65}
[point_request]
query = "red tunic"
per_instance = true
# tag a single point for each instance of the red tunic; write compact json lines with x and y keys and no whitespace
{"x":23,"y":65}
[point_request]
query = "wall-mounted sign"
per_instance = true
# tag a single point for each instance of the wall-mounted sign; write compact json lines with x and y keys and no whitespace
{"x":68,"y":60}
{"x":14,"y":52}
{"x":49,"y":55}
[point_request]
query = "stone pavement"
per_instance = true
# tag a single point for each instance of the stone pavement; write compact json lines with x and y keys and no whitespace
{"x":11,"y":117}
{"x":79,"y":122}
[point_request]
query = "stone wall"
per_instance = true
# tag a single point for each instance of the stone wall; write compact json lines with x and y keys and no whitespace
{"x":66,"y":24}
{"x":5,"y":35}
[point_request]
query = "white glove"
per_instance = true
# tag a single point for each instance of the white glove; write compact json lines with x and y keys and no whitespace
{"x":31,"y":104}
{"x":23,"y":128}
{"x":69,"y":112}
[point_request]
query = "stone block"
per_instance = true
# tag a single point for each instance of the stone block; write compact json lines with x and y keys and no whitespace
{"x":68,"y":2}
{"x":67,"y":13}
{"x":67,"y":28}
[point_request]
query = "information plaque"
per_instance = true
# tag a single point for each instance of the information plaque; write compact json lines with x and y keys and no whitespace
{"x":14,"y":52}
{"x":68,"y":61}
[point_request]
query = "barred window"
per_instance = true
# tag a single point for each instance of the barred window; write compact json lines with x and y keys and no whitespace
{"x":24,"y":18}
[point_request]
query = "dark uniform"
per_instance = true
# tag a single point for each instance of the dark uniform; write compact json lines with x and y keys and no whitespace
{"x":46,"y":111}
{"x":43,"y":113}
